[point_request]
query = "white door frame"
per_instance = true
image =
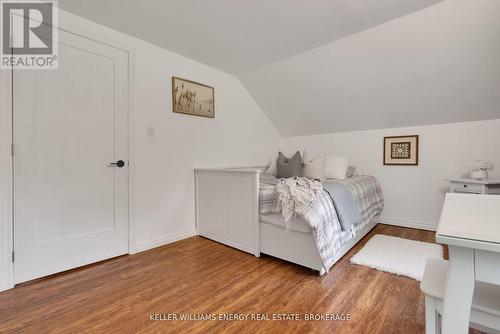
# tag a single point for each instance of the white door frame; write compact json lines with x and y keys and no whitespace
{"x":6,"y":222}
{"x":75,"y":25}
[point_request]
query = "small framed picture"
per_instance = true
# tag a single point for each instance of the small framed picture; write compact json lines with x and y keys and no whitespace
{"x":401,"y":150}
{"x":192,"y":98}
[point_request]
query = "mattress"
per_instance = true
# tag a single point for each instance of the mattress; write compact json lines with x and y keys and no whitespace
{"x":268,"y":179}
{"x":296,"y":224}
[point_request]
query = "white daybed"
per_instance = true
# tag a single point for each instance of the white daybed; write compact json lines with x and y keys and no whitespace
{"x":227,"y":211}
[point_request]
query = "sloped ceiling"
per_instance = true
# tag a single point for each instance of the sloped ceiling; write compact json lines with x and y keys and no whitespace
{"x":438,"y":65}
{"x":333,"y":65}
{"x":239,"y":36}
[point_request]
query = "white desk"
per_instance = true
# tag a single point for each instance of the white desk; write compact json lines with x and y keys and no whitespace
{"x":470,"y":226}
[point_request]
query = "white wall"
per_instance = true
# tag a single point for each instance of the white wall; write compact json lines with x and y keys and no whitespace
{"x":240,"y":134}
{"x":413,"y":194}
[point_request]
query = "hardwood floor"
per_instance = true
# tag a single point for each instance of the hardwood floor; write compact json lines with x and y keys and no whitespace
{"x":198,"y":276}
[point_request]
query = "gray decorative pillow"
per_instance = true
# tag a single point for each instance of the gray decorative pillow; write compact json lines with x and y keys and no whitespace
{"x":289,"y":167}
{"x":350,"y":171}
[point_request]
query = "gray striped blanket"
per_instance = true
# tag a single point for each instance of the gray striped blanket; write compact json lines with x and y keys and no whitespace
{"x":357,"y":200}
{"x":268,"y":199}
{"x":321,"y":217}
{"x":324,"y":217}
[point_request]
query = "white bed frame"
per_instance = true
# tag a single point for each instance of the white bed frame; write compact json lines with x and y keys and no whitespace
{"x":227,"y":211}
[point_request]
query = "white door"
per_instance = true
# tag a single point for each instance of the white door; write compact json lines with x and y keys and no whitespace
{"x":70,"y":204}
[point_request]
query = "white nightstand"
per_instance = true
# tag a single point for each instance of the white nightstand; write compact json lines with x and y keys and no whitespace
{"x":471,"y":186}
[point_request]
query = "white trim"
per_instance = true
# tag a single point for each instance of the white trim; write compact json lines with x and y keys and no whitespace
{"x":6,"y":265}
{"x":165,"y":240}
{"x":131,"y":154}
{"x":421,"y":225}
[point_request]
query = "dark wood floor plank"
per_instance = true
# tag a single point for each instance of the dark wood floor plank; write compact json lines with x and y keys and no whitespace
{"x":199,"y":276}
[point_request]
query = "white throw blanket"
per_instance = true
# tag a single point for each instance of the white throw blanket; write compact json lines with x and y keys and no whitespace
{"x":296,"y":194}
{"x":314,"y":205}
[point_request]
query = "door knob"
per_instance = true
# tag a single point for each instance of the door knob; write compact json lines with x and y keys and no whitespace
{"x":119,"y":163}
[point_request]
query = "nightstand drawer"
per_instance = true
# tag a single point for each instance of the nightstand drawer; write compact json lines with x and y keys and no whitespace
{"x":467,"y":187}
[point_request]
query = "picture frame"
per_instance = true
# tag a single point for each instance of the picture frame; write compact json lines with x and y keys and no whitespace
{"x":192,"y":98}
{"x":401,"y":150}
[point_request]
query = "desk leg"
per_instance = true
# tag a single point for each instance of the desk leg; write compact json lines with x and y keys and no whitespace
{"x":459,"y":290}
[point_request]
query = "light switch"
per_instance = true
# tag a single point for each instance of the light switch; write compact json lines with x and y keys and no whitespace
{"x":150,"y":131}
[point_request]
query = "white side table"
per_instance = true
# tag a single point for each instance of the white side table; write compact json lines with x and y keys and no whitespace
{"x":470,"y":226}
{"x":472,"y":186}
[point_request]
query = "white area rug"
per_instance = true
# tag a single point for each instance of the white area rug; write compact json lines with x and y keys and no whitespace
{"x":397,"y":255}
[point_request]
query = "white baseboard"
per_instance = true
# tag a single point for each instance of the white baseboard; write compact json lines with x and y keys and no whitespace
{"x":409,"y":223}
{"x":6,"y":280}
{"x":164,"y":240}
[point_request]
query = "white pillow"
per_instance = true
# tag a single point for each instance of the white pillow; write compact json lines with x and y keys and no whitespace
{"x":315,"y":169}
{"x":273,"y":167}
{"x":336,"y":167}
